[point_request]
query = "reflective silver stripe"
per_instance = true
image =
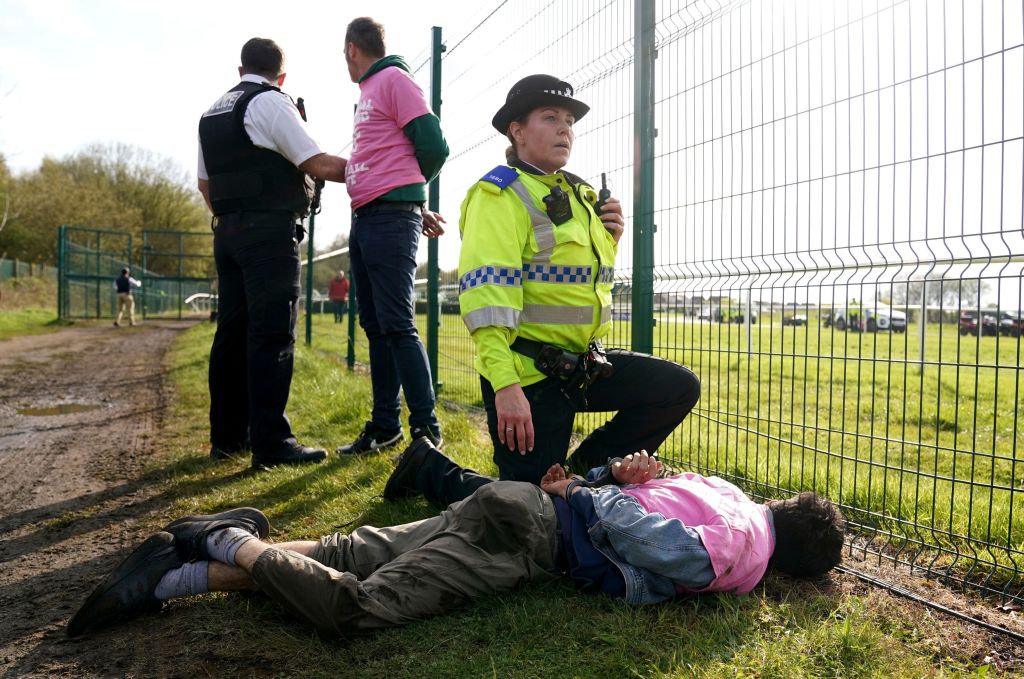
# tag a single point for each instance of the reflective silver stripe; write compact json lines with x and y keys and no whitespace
{"x":606,"y":314}
{"x":606,"y":274}
{"x":543,"y":229}
{"x":500,"y":316}
{"x":507,"y":276}
{"x":552,"y":314}
{"x":555,"y":273}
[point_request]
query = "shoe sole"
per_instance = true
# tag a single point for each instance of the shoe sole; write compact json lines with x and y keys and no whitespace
{"x":99,"y":609}
{"x":267,"y":465}
{"x":374,"y":447}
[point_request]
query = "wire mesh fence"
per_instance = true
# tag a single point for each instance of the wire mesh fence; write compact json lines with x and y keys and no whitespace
{"x":175,"y":269}
{"x":14,"y":268}
{"x":832,"y":240}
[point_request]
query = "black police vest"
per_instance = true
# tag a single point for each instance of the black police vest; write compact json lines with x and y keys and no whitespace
{"x":242,"y":175}
{"x":124,"y":284}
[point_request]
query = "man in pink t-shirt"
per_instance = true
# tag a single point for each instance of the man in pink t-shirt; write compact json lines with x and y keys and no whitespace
{"x":397,"y":147}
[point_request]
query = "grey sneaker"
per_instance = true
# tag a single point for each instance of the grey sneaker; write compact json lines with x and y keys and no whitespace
{"x":371,"y":440}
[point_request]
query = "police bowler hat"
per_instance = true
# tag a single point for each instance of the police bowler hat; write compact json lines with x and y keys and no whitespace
{"x":534,"y":91}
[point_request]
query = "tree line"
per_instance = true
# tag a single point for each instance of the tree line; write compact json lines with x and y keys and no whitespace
{"x":116,"y":187}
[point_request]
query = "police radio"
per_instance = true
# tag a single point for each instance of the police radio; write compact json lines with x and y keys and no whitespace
{"x":314,"y":205}
{"x":602,"y":196}
{"x":557,"y":206}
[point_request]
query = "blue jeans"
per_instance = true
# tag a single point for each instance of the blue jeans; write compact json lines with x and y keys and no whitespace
{"x":382,"y":252}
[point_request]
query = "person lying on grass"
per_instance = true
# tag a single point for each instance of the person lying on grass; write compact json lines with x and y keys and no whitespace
{"x":622,"y":531}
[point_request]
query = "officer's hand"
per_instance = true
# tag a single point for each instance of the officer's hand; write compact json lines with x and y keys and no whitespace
{"x":611,"y":217}
{"x":325,"y":166}
{"x":515,"y":422}
{"x":636,"y":468}
{"x":432,"y":224}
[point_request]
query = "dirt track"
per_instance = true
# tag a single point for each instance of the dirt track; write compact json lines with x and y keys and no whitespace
{"x":72,"y":491}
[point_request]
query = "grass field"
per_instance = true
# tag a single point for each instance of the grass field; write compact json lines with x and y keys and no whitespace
{"x":920,"y":450}
{"x":783,"y":629}
{"x":27,"y":306}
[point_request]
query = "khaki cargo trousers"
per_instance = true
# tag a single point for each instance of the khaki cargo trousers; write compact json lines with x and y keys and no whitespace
{"x":501,"y":536}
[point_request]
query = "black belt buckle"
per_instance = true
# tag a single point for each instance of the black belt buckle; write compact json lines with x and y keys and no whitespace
{"x":378,"y":205}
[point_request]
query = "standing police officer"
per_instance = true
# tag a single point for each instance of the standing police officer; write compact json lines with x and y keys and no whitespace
{"x":254,"y":158}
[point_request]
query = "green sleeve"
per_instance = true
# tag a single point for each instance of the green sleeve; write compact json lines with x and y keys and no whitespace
{"x":428,"y":142}
{"x":498,"y":365}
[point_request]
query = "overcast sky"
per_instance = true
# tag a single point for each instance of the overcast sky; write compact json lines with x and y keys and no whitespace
{"x":786,"y":127}
{"x":142,"y":71}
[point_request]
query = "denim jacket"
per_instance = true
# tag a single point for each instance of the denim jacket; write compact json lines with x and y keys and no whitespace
{"x":653,"y":553}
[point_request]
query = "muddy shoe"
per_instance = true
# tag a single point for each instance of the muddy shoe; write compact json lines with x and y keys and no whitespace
{"x":402,"y":482}
{"x":190,"y":532}
{"x":128,"y":591}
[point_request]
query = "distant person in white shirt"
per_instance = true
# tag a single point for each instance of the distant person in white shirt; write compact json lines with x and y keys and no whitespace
{"x":124,"y":284}
{"x":255,"y":158}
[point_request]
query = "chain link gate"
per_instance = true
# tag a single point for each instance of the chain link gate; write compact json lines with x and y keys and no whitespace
{"x":178,"y":275}
{"x":89,"y":260}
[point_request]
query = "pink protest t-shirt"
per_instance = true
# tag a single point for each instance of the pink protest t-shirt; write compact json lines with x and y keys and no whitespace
{"x":734,"y":529}
{"x":383,"y":158}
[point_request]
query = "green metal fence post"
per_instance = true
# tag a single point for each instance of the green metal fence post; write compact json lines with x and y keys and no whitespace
{"x":309,"y":279}
{"x":353,"y":309}
{"x":433,"y":283}
{"x":181,"y":272}
{"x":642,"y":300}
{"x":96,"y":274}
{"x":143,"y":274}
{"x":61,"y":272}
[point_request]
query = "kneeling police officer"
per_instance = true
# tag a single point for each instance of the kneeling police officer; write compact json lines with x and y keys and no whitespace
{"x":536,"y":272}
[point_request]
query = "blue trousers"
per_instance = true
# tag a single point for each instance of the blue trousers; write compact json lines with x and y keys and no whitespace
{"x":382,"y":252}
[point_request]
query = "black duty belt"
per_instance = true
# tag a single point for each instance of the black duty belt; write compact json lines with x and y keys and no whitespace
{"x":375,"y":206}
{"x":293,"y":217}
{"x":577,"y":371}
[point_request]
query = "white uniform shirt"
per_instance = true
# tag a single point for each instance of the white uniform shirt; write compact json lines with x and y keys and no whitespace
{"x":273,"y":123}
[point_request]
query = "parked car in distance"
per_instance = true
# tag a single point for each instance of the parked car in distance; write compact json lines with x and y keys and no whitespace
{"x":726,"y":314}
{"x":868,"y":319}
{"x":1011,"y":323}
{"x":794,"y":320}
{"x":969,"y":324}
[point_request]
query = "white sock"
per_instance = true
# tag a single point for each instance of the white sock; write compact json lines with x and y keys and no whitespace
{"x":222,"y":544}
{"x":190,"y":579}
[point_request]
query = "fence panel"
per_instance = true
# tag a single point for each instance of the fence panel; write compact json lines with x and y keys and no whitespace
{"x":837,"y":243}
{"x":14,"y":268}
{"x":178,"y":274}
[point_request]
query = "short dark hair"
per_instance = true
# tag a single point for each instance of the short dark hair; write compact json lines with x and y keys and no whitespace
{"x":262,"y":56}
{"x":367,"y":35}
{"x":124,"y":271}
{"x":809,"y":532}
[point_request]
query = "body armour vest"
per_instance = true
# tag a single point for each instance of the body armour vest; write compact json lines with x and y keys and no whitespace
{"x":242,"y":175}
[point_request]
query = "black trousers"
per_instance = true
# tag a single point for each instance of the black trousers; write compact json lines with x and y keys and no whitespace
{"x":652,"y":396}
{"x":257,"y":257}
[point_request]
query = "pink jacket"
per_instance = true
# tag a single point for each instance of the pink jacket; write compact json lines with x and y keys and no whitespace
{"x":736,"y":531}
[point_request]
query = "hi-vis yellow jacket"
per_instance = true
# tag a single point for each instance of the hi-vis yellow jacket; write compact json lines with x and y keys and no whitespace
{"x":520,"y":275}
